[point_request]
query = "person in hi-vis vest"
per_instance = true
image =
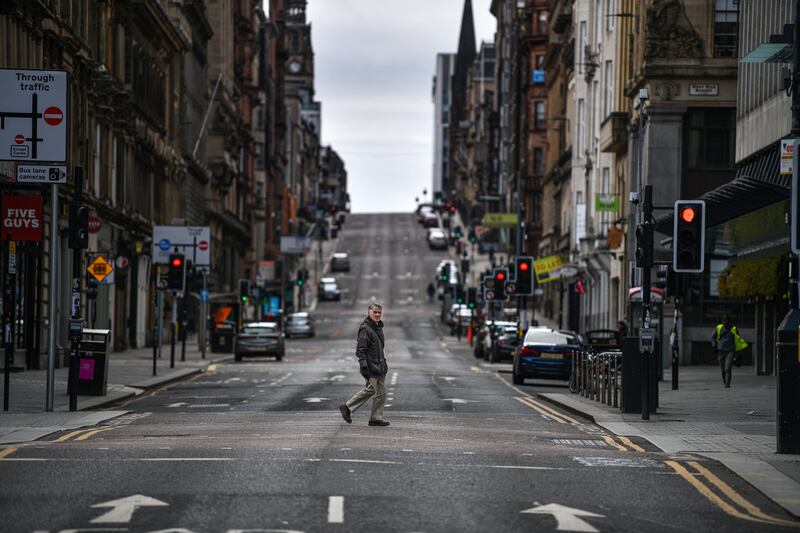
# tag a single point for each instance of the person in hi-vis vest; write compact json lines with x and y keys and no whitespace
{"x":726,"y":342}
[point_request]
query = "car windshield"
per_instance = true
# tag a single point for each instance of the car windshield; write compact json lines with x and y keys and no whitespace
{"x":259,"y":330}
{"x":328,"y":286}
{"x":548,"y":337}
{"x":298,"y":319}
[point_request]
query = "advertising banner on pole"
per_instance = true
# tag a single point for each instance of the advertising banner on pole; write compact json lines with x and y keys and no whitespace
{"x":548,"y":268}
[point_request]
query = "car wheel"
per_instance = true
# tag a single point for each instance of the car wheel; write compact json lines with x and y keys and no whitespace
{"x":279,"y":357}
{"x":237,"y":357}
{"x":516,"y":378}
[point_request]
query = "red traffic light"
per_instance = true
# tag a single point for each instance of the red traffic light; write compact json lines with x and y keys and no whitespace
{"x":524,"y":267}
{"x":500,"y":276}
{"x":688,"y":214}
{"x":177,"y":262}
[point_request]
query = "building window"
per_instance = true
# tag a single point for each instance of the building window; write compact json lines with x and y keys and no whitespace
{"x":538,"y":161}
{"x":595,"y":113}
{"x":583,"y":41}
{"x":611,"y":8}
{"x":541,"y":19}
{"x":609,"y":100}
{"x":540,"y":116}
{"x":710,"y":139}
{"x":726,"y":27}
{"x":581,"y":128}
{"x":598,"y":24}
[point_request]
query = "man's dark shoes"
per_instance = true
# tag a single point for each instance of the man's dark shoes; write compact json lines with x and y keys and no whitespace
{"x":378,"y":423}
{"x":345,"y":413}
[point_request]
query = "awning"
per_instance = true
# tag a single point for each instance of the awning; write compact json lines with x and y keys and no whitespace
{"x":758,"y":183}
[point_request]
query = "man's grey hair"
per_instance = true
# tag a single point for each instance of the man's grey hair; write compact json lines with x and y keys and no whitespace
{"x":374,"y":305}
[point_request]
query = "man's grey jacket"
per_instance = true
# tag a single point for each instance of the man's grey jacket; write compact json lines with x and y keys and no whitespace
{"x":369,"y":348}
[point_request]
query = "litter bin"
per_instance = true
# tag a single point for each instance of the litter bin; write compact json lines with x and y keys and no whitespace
{"x":93,"y":362}
{"x":222,"y":337}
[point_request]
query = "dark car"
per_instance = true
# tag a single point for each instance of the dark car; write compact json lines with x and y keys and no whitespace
{"x":299,"y":324}
{"x":504,"y":344}
{"x":545,"y":354}
{"x":340,"y":262}
{"x":259,"y":338}
{"x":329,"y":290}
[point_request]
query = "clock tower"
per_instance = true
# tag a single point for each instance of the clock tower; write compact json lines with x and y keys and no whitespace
{"x":300,"y":63}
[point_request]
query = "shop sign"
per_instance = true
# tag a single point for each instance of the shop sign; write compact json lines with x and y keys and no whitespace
{"x":496,"y":220}
{"x":22,"y":217}
{"x":606,"y":203}
{"x":100,"y":268}
{"x":548,"y":268}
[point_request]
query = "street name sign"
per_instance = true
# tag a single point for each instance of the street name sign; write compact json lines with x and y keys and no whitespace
{"x":33,"y":115}
{"x":295,"y":245}
{"x":191,"y":241}
{"x":46,"y":174}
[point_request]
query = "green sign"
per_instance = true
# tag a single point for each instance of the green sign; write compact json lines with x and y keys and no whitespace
{"x":496,"y":220}
{"x":606,"y":203}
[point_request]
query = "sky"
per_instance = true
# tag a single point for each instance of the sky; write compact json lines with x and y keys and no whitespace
{"x":375,"y":61}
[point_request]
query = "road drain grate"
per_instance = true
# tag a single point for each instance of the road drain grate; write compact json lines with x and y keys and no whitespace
{"x":581,"y":442}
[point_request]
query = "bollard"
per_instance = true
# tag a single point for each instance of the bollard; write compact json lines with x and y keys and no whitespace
{"x":617,"y":383}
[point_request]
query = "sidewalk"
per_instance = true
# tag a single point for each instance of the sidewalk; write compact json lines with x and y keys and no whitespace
{"x":130,"y":374}
{"x":329,"y":247}
{"x":735,"y":426}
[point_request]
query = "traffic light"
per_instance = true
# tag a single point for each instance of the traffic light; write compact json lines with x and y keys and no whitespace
{"x":500,"y":277}
{"x":666,"y":280}
{"x":473,"y":237}
{"x":689,"y":236}
{"x":78,"y":228}
{"x":177,"y":272}
{"x":459,"y":232}
{"x":301,"y":277}
{"x":524,"y":279}
{"x":445,"y":273}
{"x":244,"y":290}
{"x":644,"y":245}
{"x":460,"y":294}
{"x":91,"y":287}
{"x":472,"y":297}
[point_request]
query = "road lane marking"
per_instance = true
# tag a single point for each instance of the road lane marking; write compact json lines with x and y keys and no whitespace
{"x":556,"y":413}
{"x":336,"y":510}
{"x":368,"y":461}
{"x":70,"y":435}
{"x":709,"y":494}
{"x":630,"y":444}
{"x":5,"y":453}
{"x":737,"y":498}
{"x":156,"y":459}
{"x":528,"y":401}
{"x":612,"y":442}
{"x":91,"y":434}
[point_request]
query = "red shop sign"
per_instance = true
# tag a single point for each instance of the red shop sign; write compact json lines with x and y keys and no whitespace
{"x":22,"y":218}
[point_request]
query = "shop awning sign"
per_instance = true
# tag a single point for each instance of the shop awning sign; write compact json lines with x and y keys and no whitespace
{"x":606,"y":203}
{"x":497,"y":220}
{"x":22,"y":217}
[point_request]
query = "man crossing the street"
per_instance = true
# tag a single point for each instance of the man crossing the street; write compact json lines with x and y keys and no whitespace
{"x":373,"y":368}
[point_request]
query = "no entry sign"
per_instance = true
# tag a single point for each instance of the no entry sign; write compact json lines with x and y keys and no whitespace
{"x":22,"y":218}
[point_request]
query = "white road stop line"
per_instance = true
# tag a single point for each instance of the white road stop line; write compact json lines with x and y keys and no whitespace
{"x":336,"y":510}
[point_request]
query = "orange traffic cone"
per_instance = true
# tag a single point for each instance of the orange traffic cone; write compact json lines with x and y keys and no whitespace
{"x":469,"y":335}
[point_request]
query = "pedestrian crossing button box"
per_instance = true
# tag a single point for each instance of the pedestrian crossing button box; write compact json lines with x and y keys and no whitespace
{"x":93,"y":362}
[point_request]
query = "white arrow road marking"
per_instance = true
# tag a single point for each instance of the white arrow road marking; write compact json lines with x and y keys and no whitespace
{"x":336,"y":510}
{"x":124,"y":508}
{"x":448,"y":379}
{"x":314,"y":400}
{"x":566,"y":517}
{"x":179,"y":404}
{"x":458,"y":400}
{"x":337,"y":377}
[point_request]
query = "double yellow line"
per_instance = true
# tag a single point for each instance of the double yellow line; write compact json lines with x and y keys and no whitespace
{"x":745,"y":510}
{"x":546,"y":411}
{"x":82,"y":434}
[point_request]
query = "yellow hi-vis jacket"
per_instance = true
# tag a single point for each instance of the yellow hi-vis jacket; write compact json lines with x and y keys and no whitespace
{"x":739,"y":343}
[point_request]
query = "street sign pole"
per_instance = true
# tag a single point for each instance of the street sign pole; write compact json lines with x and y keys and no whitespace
{"x":76,"y":328}
{"x":9,"y":306}
{"x":204,"y":310}
{"x":156,"y":340}
{"x":53,"y":329}
{"x":173,"y":326}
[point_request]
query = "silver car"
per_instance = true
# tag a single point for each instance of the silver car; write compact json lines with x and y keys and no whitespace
{"x":299,"y":324}
{"x":340,"y":262}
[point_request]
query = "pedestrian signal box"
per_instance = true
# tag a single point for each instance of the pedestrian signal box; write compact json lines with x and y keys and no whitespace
{"x":688,"y":239}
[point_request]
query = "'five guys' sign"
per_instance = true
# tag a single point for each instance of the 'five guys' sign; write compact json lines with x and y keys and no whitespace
{"x":22,"y":217}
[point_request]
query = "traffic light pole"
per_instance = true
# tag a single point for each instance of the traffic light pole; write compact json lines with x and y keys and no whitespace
{"x":76,"y":327}
{"x":9,"y":306}
{"x":647,"y":213}
{"x":173,"y":327}
{"x":204,"y":321}
{"x":788,"y":394}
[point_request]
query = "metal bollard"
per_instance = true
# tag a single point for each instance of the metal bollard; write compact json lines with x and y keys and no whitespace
{"x":617,"y":389}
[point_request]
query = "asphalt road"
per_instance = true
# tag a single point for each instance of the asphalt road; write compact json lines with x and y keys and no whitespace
{"x":260,"y":446}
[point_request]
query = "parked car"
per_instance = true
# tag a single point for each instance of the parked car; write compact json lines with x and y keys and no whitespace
{"x":505,"y":343}
{"x":437,"y":240}
{"x":487,"y":335}
{"x":461,"y":316}
{"x":452,"y":315}
{"x":299,"y":324}
{"x":340,"y":262}
{"x":545,"y":353}
{"x":259,"y":338}
{"x":429,"y":220}
{"x":328,"y":289}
